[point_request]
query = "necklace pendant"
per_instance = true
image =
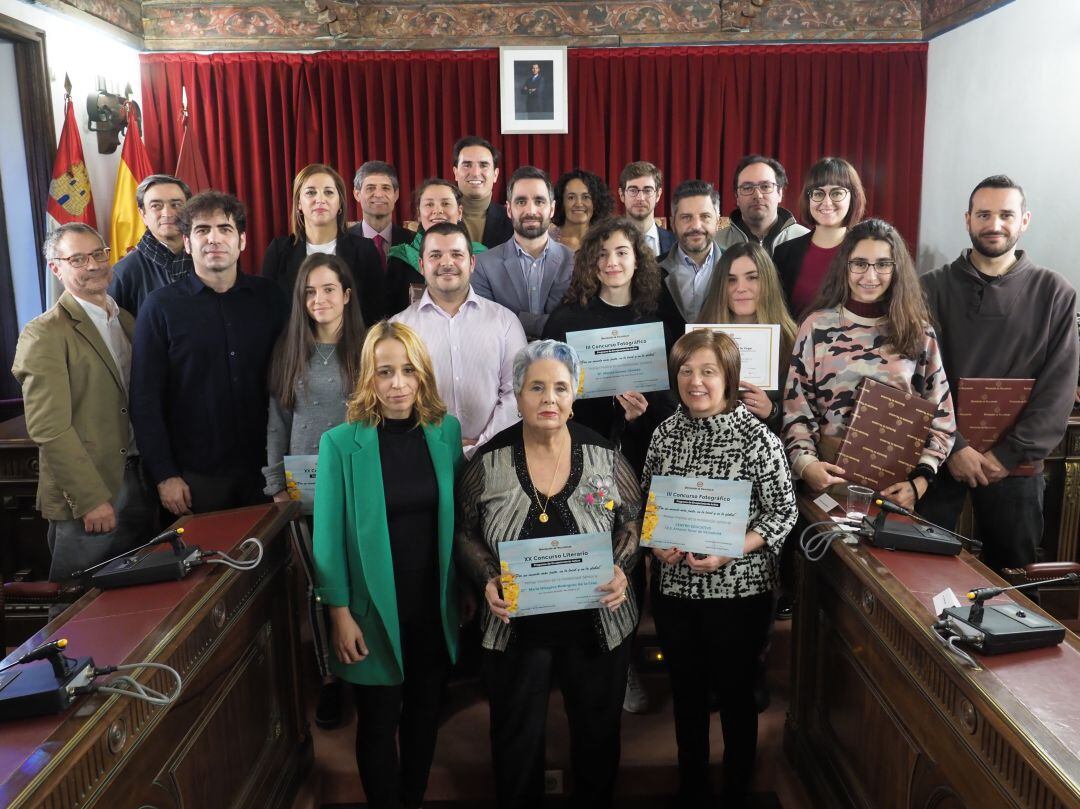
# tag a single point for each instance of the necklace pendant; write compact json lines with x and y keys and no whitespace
{"x":543,"y":517}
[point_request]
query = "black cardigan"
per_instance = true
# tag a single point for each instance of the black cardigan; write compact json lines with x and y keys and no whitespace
{"x":284,"y":257}
{"x":788,"y":258}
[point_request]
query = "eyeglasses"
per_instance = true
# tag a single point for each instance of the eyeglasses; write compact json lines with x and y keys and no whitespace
{"x":748,"y":189}
{"x":634,"y":191}
{"x":859,"y":266}
{"x":838,"y":194}
{"x":80,"y":260}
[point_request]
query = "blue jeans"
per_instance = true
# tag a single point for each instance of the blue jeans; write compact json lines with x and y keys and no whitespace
{"x":1008,"y":515}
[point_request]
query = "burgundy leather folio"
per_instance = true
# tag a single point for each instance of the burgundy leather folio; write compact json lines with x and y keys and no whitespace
{"x":988,"y":408}
{"x":886,"y":436}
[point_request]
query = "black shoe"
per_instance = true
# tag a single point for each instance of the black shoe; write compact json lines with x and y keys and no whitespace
{"x":328,"y":713}
{"x":761,"y":693}
{"x":785,"y":606}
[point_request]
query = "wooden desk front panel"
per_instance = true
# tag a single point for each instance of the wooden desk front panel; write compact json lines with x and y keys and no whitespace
{"x":881,"y":719}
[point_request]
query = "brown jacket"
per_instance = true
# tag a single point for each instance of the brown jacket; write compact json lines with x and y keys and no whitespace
{"x":76,"y":409}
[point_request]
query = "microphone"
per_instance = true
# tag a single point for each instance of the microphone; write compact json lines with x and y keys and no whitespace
{"x":984,"y":593}
{"x":42,"y":652}
{"x":893,"y":508}
{"x":173,"y":535}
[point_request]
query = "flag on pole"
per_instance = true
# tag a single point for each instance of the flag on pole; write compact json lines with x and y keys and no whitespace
{"x":127,"y":225}
{"x":190,"y":166}
{"x":70,"y":199}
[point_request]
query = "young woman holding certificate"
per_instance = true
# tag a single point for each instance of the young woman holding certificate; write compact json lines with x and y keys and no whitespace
{"x":712,"y":613}
{"x":616,"y":282}
{"x":549,"y":477}
{"x":311,"y":375}
{"x":746,"y":289}
{"x":384,"y":532}
{"x":869,"y":321}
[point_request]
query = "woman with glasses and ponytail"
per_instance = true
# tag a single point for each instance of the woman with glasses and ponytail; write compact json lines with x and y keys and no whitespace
{"x":870,"y":320}
{"x":832,"y":199}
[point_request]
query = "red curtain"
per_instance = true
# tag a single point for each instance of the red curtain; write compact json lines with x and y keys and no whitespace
{"x":694,"y":111}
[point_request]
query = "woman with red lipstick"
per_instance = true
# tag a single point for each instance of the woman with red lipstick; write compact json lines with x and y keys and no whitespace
{"x":712,"y":612}
{"x":317,"y":224}
{"x":745,"y":289}
{"x":581,"y":198}
{"x":547,"y":476}
{"x":833,"y":199}
{"x":870,"y":320}
{"x":312,"y":371}
{"x":384,"y":533}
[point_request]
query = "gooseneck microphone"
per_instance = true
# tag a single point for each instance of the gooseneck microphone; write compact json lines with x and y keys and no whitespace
{"x":890,"y":507}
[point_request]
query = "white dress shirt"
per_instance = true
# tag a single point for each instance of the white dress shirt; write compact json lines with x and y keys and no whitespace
{"x":652,"y":238}
{"x":473,"y":357}
{"x":107,"y":321}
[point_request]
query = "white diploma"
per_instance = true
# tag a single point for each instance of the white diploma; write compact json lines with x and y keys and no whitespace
{"x":300,"y":480}
{"x":621,"y":359}
{"x":759,"y":349}
{"x":555,"y":574}
{"x":700,"y":515}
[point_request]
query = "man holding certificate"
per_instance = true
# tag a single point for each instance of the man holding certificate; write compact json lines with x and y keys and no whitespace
{"x":714,"y":469}
{"x":544,"y":507}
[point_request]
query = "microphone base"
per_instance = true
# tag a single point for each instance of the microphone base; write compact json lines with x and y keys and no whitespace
{"x":1004,"y":628}
{"x":34,"y":690}
{"x":164,"y":565}
{"x":896,"y":535}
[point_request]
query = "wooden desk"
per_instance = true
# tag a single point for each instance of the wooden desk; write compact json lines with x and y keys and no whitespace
{"x":22,"y":530}
{"x":883,"y":717}
{"x":236,"y":736}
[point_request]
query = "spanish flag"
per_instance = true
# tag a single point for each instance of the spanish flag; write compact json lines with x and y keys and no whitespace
{"x":70,"y":199}
{"x":127,"y":226}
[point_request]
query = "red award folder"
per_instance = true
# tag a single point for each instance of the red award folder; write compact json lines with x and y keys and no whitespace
{"x":986,"y":409}
{"x":886,"y":436}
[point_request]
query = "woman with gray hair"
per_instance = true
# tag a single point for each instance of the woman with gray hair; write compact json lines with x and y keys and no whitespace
{"x":549,"y":477}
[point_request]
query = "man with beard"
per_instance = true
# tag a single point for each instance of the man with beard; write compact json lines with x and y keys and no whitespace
{"x":159,"y":258}
{"x":528,"y":274}
{"x":1000,"y":316}
{"x":688,"y":267}
{"x":640,"y":187}
{"x":198,"y":378}
{"x":759,"y":187}
{"x":472,"y":341}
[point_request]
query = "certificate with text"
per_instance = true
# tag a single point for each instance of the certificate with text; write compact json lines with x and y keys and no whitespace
{"x":621,"y":359}
{"x":300,"y":480}
{"x":555,"y":574}
{"x":759,"y":350}
{"x":697,"y":514}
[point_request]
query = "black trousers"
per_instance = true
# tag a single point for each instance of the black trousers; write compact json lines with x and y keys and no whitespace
{"x":1009,"y":515}
{"x":518,"y":683}
{"x":405,"y":717}
{"x":712,"y":645}
{"x":218,"y":492}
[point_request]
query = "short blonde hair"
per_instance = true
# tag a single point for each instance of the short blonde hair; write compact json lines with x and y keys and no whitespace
{"x":363,"y":405}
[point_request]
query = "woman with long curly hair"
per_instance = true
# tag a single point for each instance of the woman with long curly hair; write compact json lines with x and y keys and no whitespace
{"x":581,"y":198}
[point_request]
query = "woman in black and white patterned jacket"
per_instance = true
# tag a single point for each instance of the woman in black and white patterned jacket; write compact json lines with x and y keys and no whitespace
{"x":712,"y":613}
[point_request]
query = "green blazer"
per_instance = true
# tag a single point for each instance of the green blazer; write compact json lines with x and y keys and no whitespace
{"x":353,"y":565}
{"x":76,"y":409}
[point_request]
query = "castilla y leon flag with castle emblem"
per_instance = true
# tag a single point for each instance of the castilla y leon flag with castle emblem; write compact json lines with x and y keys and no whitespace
{"x":70,"y":199}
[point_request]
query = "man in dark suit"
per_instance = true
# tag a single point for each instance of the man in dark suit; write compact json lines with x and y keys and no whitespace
{"x":74,"y":364}
{"x":376,"y":190}
{"x":529,"y":273}
{"x":476,"y":169}
{"x":640,"y":187}
{"x":533,"y":90}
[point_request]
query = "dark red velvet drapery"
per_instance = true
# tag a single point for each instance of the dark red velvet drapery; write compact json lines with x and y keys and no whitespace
{"x":694,"y":111}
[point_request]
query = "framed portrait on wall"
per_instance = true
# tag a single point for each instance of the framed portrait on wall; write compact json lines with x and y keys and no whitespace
{"x":532,"y":90}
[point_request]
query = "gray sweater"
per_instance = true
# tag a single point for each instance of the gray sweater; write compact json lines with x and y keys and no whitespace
{"x":319,"y":405}
{"x":1021,"y":325}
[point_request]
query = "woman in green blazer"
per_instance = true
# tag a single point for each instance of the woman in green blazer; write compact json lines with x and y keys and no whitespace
{"x":384,"y":525}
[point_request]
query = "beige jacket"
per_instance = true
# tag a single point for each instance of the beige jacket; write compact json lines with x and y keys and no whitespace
{"x":76,"y":409}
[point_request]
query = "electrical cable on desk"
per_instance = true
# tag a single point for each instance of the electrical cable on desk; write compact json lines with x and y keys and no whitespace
{"x":939,"y":629}
{"x":815,"y":547}
{"x":128,"y":686}
{"x":236,"y":564}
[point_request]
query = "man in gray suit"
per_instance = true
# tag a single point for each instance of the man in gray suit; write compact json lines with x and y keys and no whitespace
{"x":529,"y":273}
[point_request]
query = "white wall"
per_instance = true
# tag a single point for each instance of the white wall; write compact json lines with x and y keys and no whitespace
{"x":1003,"y":97}
{"x":84,"y":51}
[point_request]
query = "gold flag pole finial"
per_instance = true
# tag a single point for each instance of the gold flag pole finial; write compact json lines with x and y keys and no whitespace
{"x":183,"y":101}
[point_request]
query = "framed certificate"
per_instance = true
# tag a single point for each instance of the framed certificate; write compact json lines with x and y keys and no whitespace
{"x":622,"y":359}
{"x":300,"y":480}
{"x":697,"y":514}
{"x":555,"y":574}
{"x":759,"y":349}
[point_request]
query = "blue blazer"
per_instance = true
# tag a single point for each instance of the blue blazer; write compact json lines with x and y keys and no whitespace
{"x":353,"y":565}
{"x":498,"y":278}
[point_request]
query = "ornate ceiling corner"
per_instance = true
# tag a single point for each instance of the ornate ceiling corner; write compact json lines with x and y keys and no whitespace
{"x":939,"y":16}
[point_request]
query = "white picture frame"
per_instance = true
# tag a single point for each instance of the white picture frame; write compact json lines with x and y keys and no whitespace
{"x":533,"y":90}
